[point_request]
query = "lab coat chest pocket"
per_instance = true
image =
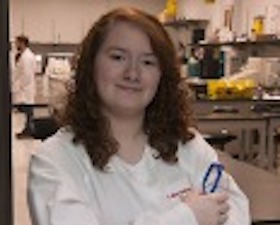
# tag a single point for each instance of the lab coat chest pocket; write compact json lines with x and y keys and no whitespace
{"x":176,"y":187}
{"x":174,"y":180}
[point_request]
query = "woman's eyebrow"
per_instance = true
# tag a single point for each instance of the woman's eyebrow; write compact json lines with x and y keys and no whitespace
{"x":121,"y":49}
{"x":116,"y":48}
{"x":151,"y":54}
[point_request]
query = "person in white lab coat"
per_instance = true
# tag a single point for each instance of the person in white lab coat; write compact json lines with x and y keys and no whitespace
{"x":23,"y":82}
{"x":126,"y":154}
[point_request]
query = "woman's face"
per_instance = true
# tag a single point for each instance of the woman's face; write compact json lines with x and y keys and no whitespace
{"x":127,"y":72}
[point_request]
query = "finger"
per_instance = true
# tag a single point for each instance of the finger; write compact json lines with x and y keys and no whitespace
{"x":222,"y":218}
{"x":221,"y":197}
{"x":224,"y":208}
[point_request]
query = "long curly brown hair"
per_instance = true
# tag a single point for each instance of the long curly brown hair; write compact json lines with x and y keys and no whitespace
{"x":168,"y":116}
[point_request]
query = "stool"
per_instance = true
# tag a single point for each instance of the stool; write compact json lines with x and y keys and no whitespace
{"x":219,"y":140}
{"x":43,"y":127}
{"x":28,"y":110}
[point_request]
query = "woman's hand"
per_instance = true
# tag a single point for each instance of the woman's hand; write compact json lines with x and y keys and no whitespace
{"x":209,"y":209}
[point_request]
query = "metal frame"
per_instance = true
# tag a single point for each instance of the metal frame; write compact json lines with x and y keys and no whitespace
{"x":6,"y":206}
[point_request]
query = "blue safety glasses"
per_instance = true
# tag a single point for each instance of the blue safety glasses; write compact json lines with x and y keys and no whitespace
{"x":212,"y":177}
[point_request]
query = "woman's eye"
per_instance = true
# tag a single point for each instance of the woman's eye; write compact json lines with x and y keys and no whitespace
{"x":150,"y":62}
{"x":117,"y":57}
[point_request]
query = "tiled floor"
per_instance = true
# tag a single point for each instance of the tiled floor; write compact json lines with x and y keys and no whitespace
{"x":22,"y":150}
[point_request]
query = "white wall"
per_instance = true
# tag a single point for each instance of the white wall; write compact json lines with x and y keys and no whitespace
{"x":194,"y":9}
{"x":68,"y":20}
{"x":267,"y":8}
{"x":65,"y":21}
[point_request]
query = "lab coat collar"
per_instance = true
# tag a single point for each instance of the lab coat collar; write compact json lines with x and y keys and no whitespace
{"x":116,"y":164}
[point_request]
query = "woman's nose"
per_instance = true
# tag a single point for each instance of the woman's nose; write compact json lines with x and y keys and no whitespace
{"x":132,"y":72}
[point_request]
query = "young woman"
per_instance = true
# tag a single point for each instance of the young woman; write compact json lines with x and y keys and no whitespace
{"x":126,"y":153}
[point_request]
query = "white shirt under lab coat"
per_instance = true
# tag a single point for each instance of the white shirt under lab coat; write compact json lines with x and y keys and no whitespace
{"x":65,"y":189}
{"x":23,"y":79}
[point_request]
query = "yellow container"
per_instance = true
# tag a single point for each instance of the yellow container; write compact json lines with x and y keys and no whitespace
{"x":258,"y":25}
{"x":231,"y":89}
{"x":171,"y":8}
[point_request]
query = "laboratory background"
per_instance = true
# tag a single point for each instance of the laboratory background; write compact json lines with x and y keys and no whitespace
{"x":229,"y":53}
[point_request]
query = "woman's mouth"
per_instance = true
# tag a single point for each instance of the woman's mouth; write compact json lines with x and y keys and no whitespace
{"x":129,"y":88}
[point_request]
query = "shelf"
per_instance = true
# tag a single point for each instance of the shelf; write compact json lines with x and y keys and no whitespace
{"x":186,"y":22}
{"x":242,"y":43}
{"x":53,"y":44}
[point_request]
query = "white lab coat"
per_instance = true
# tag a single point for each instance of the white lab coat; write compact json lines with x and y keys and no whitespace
{"x":23,"y":79}
{"x":65,"y":189}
